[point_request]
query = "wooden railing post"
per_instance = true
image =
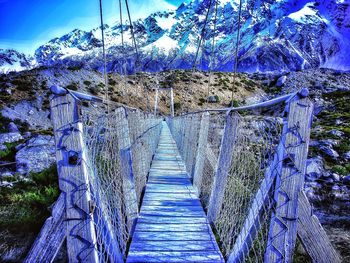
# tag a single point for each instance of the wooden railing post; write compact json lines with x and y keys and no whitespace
{"x":124,"y":143}
{"x":223,"y":167}
{"x":312,"y":235}
{"x":73,"y":177}
{"x":289,"y":180}
{"x":201,"y":152}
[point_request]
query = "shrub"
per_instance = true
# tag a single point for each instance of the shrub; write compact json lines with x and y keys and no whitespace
{"x":46,"y":177}
{"x":339,"y":169}
{"x":87,"y":83}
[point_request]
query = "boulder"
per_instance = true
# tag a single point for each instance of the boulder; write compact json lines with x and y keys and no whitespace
{"x":336,"y":133}
{"x":347,"y":156}
{"x":9,"y":138}
{"x":346,"y":180}
{"x":12,"y":127}
{"x":281,"y":80}
{"x":28,"y":113}
{"x":37,"y":155}
{"x":314,"y":168}
{"x":329,"y":152}
{"x":213,"y":99}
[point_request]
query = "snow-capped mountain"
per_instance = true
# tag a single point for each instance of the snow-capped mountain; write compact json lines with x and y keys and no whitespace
{"x":12,"y":60}
{"x":279,"y":35}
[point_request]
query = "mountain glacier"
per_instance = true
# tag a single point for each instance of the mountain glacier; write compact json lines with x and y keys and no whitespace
{"x":280,"y":35}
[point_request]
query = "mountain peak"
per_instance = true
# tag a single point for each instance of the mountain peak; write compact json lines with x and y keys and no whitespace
{"x":279,"y":35}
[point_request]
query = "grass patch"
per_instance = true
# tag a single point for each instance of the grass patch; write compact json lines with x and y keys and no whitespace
{"x":9,"y":153}
{"x":24,"y":207}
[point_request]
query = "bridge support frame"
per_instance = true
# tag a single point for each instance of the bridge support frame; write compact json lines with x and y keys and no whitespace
{"x":73,"y":178}
{"x":289,"y":180}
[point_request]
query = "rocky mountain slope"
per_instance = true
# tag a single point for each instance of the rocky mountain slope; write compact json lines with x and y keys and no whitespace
{"x":282,"y":35}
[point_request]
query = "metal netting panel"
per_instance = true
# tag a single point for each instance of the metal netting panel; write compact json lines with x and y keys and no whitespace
{"x":215,"y":133}
{"x":256,"y":138}
{"x":107,"y":135}
{"x":255,"y":142}
{"x":144,"y":130}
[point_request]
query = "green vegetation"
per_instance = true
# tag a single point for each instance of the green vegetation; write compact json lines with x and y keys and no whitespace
{"x":87,"y":83}
{"x":9,"y":153}
{"x":24,"y":207}
{"x":73,"y":86}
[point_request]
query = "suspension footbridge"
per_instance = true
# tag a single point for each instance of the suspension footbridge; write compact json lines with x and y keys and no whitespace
{"x":172,"y":225}
{"x":223,"y":185}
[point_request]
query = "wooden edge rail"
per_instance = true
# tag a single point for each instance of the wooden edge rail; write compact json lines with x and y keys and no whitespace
{"x":313,"y":236}
{"x":51,"y":236}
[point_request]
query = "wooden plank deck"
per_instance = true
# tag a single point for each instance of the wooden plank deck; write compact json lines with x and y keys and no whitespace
{"x":172,"y":225}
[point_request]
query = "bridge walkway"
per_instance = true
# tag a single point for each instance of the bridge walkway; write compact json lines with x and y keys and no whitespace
{"x":172,"y":225}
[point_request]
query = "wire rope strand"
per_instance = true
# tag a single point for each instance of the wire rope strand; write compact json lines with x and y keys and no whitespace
{"x":237,"y":48}
{"x":212,"y":52}
{"x":104,"y":54}
{"x":201,"y":36}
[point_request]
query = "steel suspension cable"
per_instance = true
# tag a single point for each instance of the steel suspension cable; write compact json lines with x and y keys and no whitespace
{"x":212,"y":52}
{"x":132,"y":32}
{"x":104,"y":54}
{"x":237,"y":48}
{"x":201,"y":36}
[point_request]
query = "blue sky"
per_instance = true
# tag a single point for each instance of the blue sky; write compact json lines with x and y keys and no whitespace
{"x":27,"y":24}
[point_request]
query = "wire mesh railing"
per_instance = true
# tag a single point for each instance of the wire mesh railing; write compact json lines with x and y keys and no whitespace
{"x":256,"y":138}
{"x":248,"y":165}
{"x":115,"y":139}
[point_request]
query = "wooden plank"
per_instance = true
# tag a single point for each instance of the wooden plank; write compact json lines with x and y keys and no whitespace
{"x":73,"y":178}
{"x":189,"y":202}
{"x":172,"y":227}
{"x":201,"y":150}
{"x":173,"y":246}
{"x":175,"y":208}
{"x":176,"y":236}
{"x":179,"y":188}
{"x":171,"y":220}
{"x":173,"y":213}
{"x":224,"y":164}
{"x":51,"y":236}
{"x":170,"y":256}
{"x":315,"y":240}
{"x":289,"y":181}
{"x":169,"y":196}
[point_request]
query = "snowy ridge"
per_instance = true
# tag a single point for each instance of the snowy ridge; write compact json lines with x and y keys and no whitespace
{"x":282,"y":35}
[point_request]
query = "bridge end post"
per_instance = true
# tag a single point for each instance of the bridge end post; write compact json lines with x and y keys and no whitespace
{"x":290,"y":179}
{"x":73,"y":176}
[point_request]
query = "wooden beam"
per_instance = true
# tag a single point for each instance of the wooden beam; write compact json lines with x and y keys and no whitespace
{"x":73,"y":178}
{"x":289,"y":181}
{"x":201,"y":152}
{"x":223,"y":167}
{"x":51,"y":236}
{"x":313,"y":236}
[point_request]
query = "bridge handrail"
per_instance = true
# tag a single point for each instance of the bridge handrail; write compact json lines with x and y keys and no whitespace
{"x":284,"y":98}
